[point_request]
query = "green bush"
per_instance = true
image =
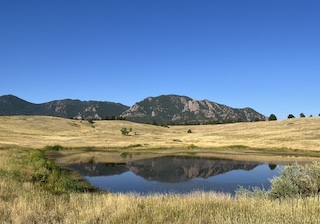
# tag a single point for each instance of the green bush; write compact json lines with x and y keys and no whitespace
{"x":296,"y":180}
{"x":192,"y":146}
{"x":125,"y":131}
{"x":50,"y":176}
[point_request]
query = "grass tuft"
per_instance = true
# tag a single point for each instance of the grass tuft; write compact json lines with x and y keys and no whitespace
{"x":192,"y":146}
{"x":133,"y":146}
{"x":54,"y":147}
{"x":236,"y":147}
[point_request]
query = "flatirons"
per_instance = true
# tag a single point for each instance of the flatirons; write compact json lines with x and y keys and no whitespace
{"x":165,"y":109}
{"x":173,"y":109}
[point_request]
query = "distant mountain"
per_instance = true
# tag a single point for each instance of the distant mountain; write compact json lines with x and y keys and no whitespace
{"x":12,"y":105}
{"x":165,"y":109}
{"x":174,"y":109}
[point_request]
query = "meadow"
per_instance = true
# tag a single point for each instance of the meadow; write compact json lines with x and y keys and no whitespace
{"x":23,"y":199}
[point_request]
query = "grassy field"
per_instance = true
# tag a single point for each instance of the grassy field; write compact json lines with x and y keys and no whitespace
{"x":37,"y":132}
{"x":23,"y":201}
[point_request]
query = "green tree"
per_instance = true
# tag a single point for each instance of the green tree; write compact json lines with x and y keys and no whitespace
{"x":125,"y":131}
{"x":302,"y":115}
{"x":272,"y":117}
{"x":290,"y":116}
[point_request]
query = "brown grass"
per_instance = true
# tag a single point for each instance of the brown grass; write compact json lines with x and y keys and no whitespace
{"x":36,"y":132}
{"x":23,"y":202}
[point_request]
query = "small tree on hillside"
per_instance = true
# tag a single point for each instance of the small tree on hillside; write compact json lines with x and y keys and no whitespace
{"x":125,"y":131}
{"x":302,"y":115}
{"x":272,"y":117}
{"x":290,"y":116}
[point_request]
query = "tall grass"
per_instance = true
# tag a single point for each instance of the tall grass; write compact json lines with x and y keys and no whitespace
{"x":53,"y":178}
{"x":22,"y":201}
{"x":27,"y":204}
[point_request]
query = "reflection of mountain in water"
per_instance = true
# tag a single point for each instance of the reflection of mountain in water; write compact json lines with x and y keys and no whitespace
{"x":177,"y":169}
{"x":99,"y":169}
{"x":166,"y":169}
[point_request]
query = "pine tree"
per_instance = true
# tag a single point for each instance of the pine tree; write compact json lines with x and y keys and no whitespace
{"x":272,"y":117}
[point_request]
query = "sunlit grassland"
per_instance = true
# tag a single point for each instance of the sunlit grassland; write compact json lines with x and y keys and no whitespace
{"x":37,"y":132}
{"x":23,"y":201}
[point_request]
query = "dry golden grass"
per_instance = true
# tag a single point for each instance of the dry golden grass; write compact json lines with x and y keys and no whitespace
{"x":23,"y":202}
{"x":39,"y":131}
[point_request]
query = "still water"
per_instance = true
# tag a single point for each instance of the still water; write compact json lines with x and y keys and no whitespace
{"x":177,"y":174}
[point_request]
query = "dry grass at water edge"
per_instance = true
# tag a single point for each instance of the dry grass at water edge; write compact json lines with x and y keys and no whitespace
{"x":23,"y":203}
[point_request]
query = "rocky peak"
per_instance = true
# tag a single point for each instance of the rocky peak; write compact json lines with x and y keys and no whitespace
{"x":181,"y":109}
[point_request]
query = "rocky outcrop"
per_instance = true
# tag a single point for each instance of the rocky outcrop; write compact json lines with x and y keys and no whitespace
{"x":169,"y":109}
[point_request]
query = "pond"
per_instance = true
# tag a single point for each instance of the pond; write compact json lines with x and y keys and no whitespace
{"x":177,"y":174}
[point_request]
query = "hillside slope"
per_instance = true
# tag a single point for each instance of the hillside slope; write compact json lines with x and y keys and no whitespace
{"x":12,"y":105}
{"x":39,"y":131}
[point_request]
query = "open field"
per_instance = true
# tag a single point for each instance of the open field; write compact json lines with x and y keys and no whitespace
{"x":23,"y":201}
{"x":37,"y":132}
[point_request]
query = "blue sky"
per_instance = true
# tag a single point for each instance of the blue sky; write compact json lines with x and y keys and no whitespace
{"x":259,"y":54}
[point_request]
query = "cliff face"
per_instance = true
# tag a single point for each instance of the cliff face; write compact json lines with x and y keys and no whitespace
{"x":181,"y":109}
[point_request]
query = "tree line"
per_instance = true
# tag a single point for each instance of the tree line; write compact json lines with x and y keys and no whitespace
{"x":273,"y":117}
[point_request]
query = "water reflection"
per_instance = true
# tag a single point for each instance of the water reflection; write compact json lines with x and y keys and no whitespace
{"x":177,"y":174}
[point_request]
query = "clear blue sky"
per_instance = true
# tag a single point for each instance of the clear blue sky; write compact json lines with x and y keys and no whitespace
{"x":242,"y":53}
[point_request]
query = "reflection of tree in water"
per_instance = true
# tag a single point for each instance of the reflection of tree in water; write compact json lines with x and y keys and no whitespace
{"x":272,"y":166}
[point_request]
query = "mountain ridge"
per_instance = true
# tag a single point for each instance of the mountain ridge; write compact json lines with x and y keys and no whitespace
{"x":163,"y":109}
{"x":175,"y":109}
{"x":67,"y":108}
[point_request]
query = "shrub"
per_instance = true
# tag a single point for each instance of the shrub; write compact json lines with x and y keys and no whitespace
{"x":125,"y":131}
{"x":192,"y":146}
{"x":54,"y":148}
{"x":90,"y":120}
{"x":296,"y":180}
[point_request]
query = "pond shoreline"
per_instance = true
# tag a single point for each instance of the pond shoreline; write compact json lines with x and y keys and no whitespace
{"x":123,"y":155}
